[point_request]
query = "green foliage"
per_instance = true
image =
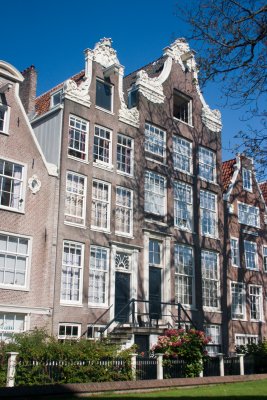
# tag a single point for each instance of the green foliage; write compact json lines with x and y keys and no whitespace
{"x":43,"y":360}
{"x":188,"y":346}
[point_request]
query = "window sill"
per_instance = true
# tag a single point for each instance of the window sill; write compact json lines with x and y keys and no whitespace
{"x":97,"y":229}
{"x":257,"y":321}
{"x":183,"y":171}
{"x":239,"y":319}
{"x":75,"y":225}
{"x":212,"y":309}
{"x":78,"y":159}
{"x":104,"y":110}
{"x":156,"y":161}
{"x":129,"y":236}
{"x":153,"y":221}
{"x":71,"y":304}
{"x":210,"y":236}
{"x":180,"y":228}
{"x":207,"y":180}
{"x":12,"y":210}
{"x":183,"y":122}
{"x":124,"y":174}
{"x":4,"y":133}
{"x":11,"y":287}
{"x":103,"y":306}
{"x":106,"y":167}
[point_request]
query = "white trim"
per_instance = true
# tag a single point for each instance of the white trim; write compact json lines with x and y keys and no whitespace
{"x":249,"y":208}
{"x":97,"y":162}
{"x":107,"y":276}
{"x":131,"y":174}
{"x":83,"y":217}
{"x":66,"y":324}
{"x":256,"y":260}
{"x":11,"y":308}
{"x":238,"y":249}
{"x":246,"y":336}
{"x":112,"y":96}
{"x":243,"y":293}
{"x":261,"y":318}
{"x":131,"y":209}
{"x":96,"y":227}
{"x":264,"y":250}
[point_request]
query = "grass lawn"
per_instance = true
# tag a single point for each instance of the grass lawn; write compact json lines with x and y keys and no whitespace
{"x":237,"y":391}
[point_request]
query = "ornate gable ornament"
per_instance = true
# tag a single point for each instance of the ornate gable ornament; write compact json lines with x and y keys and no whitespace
{"x":79,"y":94}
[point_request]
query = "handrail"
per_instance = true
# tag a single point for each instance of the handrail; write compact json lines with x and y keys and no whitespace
{"x":102,"y":330}
{"x":96,"y":321}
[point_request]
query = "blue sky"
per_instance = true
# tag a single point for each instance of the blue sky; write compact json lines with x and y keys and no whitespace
{"x":52,"y":36}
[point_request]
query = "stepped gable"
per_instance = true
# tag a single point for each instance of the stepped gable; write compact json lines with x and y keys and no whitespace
{"x":42,"y":103}
{"x":227,"y":173}
{"x":263,"y":187}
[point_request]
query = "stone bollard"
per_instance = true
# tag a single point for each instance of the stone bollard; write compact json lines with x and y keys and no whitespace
{"x":241,"y":360}
{"x":133,"y":364}
{"x":220,"y":355}
{"x":159,"y":366}
{"x":11,"y":369}
{"x":201,"y":372}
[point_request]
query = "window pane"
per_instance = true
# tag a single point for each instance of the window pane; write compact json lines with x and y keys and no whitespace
{"x":104,"y":95}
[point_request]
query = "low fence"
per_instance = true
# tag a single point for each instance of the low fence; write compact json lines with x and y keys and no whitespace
{"x":118,"y":369}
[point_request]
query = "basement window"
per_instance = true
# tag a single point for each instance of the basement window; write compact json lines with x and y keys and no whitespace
{"x":182,"y":107}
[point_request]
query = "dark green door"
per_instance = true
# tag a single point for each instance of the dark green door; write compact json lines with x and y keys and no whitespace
{"x":154,"y":293}
{"x":122,"y":296}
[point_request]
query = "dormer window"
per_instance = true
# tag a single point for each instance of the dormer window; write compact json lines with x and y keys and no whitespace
{"x":182,"y":107}
{"x":247,"y":179}
{"x":104,"y":94}
{"x":56,"y":98}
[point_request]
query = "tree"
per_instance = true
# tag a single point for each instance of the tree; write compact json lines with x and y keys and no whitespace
{"x":231,"y":39}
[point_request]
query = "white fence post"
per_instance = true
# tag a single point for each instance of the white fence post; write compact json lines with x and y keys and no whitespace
{"x":11,"y":368}
{"x":159,"y":366}
{"x":133,"y":365}
{"x":241,"y":360}
{"x":201,"y":372}
{"x":220,"y":355}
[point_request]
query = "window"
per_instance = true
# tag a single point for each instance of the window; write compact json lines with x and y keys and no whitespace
{"x":238,"y":300}
{"x":183,"y":207}
{"x":214,"y":332}
{"x":235,"y":252}
{"x":182,"y":154}
{"x":100,"y":205}
{"x":98,"y":276}
{"x":72,"y":273}
{"x":247,"y":179}
{"x":208,"y":213}
{"x":102,"y":145}
{"x":56,"y":98}
{"x":207,"y":164}
{"x":155,"y":140}
{"x":124,"y":210}
{"x":155,"y":252}
{"x":210,"y":279}
{"x":182,"y":107}
{"x":9,"y":324}
{"x":251,"y":258}
{"x":4,"y":115}
{"x":78,"y":138}
{"x":125,"y":154}
{"x":255,"y":298}
{"x":69,"y":331}
{"x":155,"y":188}
{"x":11,"y":185}
{"x":75,"y":201}
{"x":94,"y":331}
{"x":104,"y":93}
{"x":264,"y":251}
{"x":248,"y":215}
{"x":184,"y":274}
{"x":14,"y":261}
{"x":242,"y":339}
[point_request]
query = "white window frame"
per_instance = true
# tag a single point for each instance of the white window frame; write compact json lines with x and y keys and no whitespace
{"x":124,"y":212}
{"x":76,"y":196}
{"x":152,"y":252}
{"x":101,"y":204}
{"x":214,"y":332}
{"x":182,"y":154}
{"x":246,"y":339}
{"x":183,"y":206}
{"x":112,"y":97}
{"x":69,"y":325}
{"x":155,"y":140}
{"x":16,"y":255}
{"x":95,"y":329}
{"x":95,"y":268}
{"x":70,"y":270}
{"x":246,"y":218}
{"x":207,"y":168}
{"x":264,"y":258}
{"x":184,"y":278}
{"x":235,"y":254}
{"x":248,"y":245}
{"x":20,"y":206}
{"x":238,"y":300}
{"x":101,"y":145}
{"x":188,"y":102}
{"x":7,"y":331}
{"x":6,"y":117}
{"x":255,"y":299}
{"x":54,"y":96}
{"x":210,"y":276}
{"x":208,"y":213}
{"x":129,"y":158}
{"x":247,"y":179}
{"x":155,"y":193}
{"x":78,"y":128}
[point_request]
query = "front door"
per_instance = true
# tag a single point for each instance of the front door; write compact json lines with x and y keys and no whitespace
{"x":122,"y":296}
{"x":154,"y":293}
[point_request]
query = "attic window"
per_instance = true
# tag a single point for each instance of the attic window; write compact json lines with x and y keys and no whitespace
{"x":4,"y":115}
{"x":247,"y":179}
{"x":56,"y":98}
{"x":182,"y":107}
{"x":104,"y":95}
{"x":132,"y":98}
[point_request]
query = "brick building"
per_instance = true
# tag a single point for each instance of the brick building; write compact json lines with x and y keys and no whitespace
{"x":245,"y":256}
{"x":27,"y":232}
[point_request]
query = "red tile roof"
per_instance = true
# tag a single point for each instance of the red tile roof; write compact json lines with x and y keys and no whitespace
{"x":263,"y":187}
{"x":42,"y":103}
{"x":227,"y":173}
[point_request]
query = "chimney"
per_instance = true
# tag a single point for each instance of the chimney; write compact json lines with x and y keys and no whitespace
{"x":28,"y":89}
